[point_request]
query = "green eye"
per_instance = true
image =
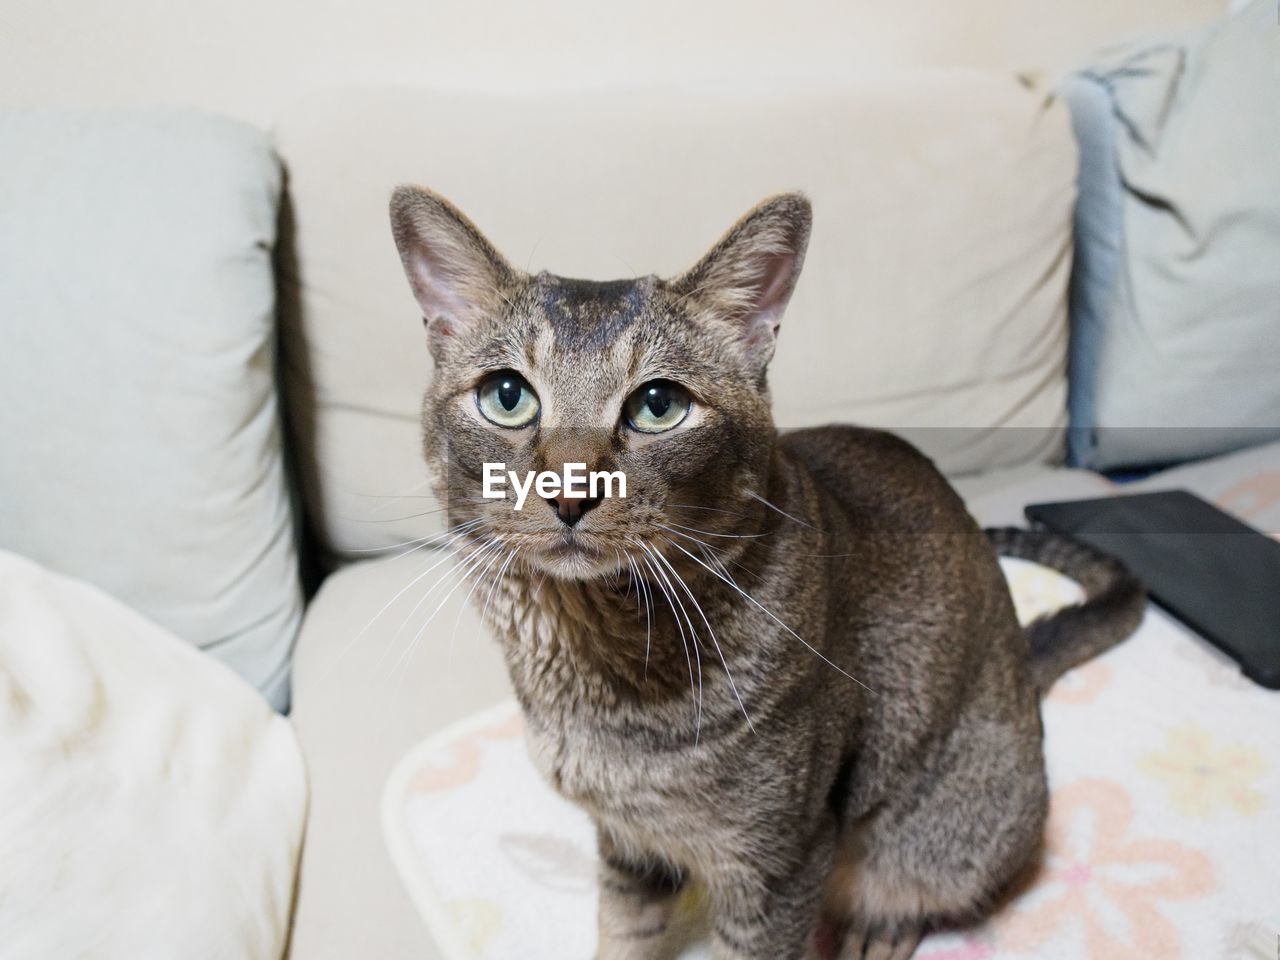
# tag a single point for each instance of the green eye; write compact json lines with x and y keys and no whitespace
{"x":658,"y":406}
{"x":506,"y":399}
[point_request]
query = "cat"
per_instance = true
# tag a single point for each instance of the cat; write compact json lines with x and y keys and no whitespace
{"x":786,"y":665}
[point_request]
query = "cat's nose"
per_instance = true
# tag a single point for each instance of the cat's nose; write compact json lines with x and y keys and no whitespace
{"x":571,"y":509}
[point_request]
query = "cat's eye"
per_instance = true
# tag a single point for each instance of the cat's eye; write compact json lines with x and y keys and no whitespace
{"x":506,"y":399}
{"x":657,"y":406}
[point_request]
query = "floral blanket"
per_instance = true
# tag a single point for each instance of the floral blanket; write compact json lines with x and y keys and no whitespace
{"x":1163,"y":840}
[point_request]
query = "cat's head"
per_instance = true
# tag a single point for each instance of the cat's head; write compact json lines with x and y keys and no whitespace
{"x":663,"y":380}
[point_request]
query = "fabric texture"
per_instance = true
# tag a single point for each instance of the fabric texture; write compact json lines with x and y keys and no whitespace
{"x":151,"y":803}
{"x":139,"y":431}
{"x":1176,"y":298}
{"x":932,"y":300}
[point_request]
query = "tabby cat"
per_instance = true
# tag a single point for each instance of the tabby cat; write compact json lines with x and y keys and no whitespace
{"x":785,"y":666}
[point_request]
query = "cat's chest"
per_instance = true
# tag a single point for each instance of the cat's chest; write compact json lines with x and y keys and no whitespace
{"x":675,"y":801}
{"x":615,"y":773}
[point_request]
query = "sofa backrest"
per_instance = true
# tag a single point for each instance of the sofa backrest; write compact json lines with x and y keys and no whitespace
{"x":933,"y":299}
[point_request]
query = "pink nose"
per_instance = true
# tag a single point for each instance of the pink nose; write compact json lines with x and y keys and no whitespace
{"x":571,"y":509}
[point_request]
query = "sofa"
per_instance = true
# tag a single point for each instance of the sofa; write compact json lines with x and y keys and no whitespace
{"x":938,"y":301}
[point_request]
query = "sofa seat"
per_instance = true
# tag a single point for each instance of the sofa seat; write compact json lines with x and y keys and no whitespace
{"x":360,"y":703}
{"x":357,"y":712}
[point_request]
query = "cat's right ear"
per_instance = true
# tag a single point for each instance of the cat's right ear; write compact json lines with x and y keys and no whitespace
{"x":456,"y":274}
{"x":745,"y":281}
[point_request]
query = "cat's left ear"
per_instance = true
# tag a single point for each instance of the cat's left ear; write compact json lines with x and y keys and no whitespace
{"x":747,"y":278}
{"x":457,"y":276}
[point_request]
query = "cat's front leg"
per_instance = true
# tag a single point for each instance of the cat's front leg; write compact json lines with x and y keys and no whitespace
{"x":637,"y":900}
{"x":772,"y":914}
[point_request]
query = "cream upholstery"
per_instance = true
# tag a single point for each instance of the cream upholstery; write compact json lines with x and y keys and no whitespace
{"x":933,"y":296}
{"x":362,"y":699}
{"x":249,"y":58}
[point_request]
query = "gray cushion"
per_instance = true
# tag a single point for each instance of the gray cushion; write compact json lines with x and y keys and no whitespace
{"x":139,"y":435}
{"x":1176,"y":298}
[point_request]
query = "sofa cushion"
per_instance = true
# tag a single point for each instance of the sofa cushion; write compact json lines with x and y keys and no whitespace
{"x":933,"y":297}
{"x":1176,"y":302}
{"x":378,"y":668}
{"x":139,"y":438}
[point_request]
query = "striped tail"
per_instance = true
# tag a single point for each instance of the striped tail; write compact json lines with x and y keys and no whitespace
{"x":1111,"y":611}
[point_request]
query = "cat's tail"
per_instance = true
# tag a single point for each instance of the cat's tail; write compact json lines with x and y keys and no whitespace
{"x":1112,"y":608}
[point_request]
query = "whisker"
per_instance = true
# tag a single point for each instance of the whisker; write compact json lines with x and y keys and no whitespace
{"x":419,"y":541}
{"x":688,"y":659}
{"x":412,"y":516}
{"x":474,"y":554}
{"x":631,"y":582}
{"x":446,"y":539}
{"x":709,"y":533}
{"x":452,"y":536}
{"x":648,"y":621}
{"x":392,"y":496}
{"x":723,"y":662}
{"x":693,"y":636}
{"x":712,"y":557}
{"x":484,"y":614}
{"x":776,"y":509}
{"x":769,"y":613}
{"x":686,"y":536}
{"x":721,"y":563}
{"x":406,"y":657}
{"x":453,"y":634}
{"x":690,"y":506}
{"x":642,"y":590}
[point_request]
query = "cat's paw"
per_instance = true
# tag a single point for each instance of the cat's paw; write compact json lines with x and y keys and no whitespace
{"x":880,"y":943}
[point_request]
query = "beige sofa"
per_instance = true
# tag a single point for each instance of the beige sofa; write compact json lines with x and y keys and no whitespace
{"x":934,"y":302}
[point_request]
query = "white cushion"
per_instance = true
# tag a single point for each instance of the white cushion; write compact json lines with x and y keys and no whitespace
{"x":151,"y":803}
{"x":933,"y":297}
{"x":139,"y":437}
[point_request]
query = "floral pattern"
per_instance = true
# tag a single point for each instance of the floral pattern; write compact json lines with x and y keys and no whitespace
{"x":1081,"y":685}
{"x":1104,"y":884}
{"x":1204,"y":776}
{"x":1254,"y":498}
{"x":461,"y":763}
{"x":970,"y":949}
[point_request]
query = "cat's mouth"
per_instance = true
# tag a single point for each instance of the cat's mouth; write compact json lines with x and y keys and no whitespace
{"x":574,"y":557}
{"x":572,"y":548}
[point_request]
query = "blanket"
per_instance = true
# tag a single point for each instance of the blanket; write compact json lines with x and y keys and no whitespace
{"x":1163,"y":839}
{"x":151,"y":802}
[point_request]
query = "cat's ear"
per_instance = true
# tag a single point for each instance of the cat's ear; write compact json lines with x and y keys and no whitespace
{"x":456,"y":274}
{"x":747,"y":278}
